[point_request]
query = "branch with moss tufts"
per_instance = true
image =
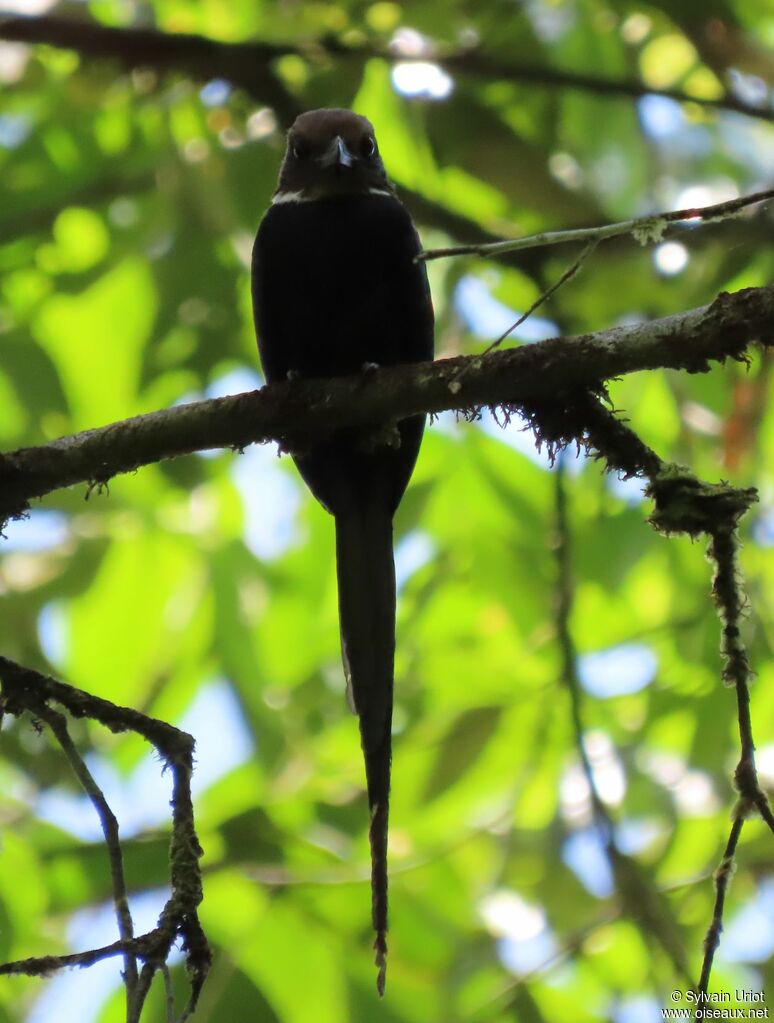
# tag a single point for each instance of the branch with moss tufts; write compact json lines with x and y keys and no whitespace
{"x":685,"y":504}
{"x":25,"y":691}
{"x":723,"y":553}
{"x":543,"y":380}
{"x":645,"y":230}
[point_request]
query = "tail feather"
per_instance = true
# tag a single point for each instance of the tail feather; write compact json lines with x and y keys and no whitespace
{"x":366,"y":577}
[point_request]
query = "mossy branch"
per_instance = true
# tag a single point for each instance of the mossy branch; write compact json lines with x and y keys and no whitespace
{"x":544,"y":380}
{"x":25,"y":691}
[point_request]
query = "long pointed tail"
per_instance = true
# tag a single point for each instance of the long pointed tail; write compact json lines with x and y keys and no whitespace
{"x":366,"y":576}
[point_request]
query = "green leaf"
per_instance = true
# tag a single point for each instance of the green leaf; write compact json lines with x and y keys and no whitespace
{"x":96,"y":340}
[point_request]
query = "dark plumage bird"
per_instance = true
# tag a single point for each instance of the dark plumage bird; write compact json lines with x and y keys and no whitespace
{"x":336,"y":288}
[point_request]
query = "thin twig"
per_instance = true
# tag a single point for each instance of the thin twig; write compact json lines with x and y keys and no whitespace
{"x":645,"y":229}
{"x":763,"y":806}
{"x":543,"y":297}
{"x":44,"y":966}
{"x":484,"y":65}
{"x":571,"y":945}
{"x":147,"y":973}
{"x":58,"y":725}
{"x":569,"y":659}
{"x":723,"y":877}
{"x":169,"y":993}
{"x":568,"y":274}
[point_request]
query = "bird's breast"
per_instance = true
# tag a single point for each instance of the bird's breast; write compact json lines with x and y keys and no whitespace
{"x":335,"y":285}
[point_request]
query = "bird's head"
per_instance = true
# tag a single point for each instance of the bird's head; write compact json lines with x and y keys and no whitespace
{"x":331,"y":153}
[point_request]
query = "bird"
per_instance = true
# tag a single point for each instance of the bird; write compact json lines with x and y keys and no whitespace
{"x":338,"y":289}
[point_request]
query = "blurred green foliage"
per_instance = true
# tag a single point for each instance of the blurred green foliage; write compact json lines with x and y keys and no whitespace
{"x":128,"y":201}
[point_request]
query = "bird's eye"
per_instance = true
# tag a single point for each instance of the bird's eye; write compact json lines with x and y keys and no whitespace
{"x":300,"y":149}
{"x":368,"y":145}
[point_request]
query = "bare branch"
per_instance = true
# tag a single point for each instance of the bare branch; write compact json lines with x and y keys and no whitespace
{"x":568,"y":274}
{"x":58,"y":725}
{"x":483,"y":65}
{"x":44,"y":966}
{"x":645,"y":229}
{"x":248,"y":65}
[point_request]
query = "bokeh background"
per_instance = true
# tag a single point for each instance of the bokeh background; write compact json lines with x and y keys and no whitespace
{"x":202,"y":590}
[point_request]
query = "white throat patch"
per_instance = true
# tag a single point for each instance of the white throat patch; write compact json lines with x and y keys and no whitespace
{"x":281,"y":197}
{"x":286,"y":197}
